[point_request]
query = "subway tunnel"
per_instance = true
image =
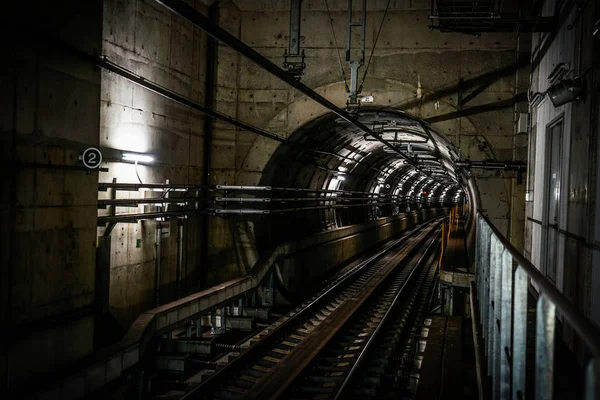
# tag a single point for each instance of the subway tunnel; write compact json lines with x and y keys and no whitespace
{"x":300,"y":199}
{"x":348,"y":160}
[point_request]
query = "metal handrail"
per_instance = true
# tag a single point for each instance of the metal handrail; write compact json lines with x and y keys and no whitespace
{"x":503,"y":275}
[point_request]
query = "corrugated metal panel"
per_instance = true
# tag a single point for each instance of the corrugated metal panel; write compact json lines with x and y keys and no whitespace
{"x":562,"y":50}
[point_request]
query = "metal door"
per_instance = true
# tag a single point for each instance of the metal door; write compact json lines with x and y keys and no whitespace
{"x":552,"y":197}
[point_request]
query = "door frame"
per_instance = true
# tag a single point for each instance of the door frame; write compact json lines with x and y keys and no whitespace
{"x":546,"y":202}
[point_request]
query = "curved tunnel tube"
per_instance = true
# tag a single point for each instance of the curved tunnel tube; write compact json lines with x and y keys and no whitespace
{"x":364,"y":165}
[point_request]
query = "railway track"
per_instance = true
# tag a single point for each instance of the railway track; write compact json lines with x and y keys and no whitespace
{"x":324,"y":340}
{"x":356,"y":359}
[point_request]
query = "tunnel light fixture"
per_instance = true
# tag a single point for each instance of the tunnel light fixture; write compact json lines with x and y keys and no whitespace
{"x":563,"y":92}
{"x":342,"y":169}
{"x":341,"y":178}
{"x":137,"y":157}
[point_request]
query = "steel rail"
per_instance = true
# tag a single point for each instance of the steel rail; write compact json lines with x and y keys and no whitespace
{"x":333,"y":286}
{"x":197,"y":19}
{"x":276,"y":383}
{"x":340,"y":282}
{"x":374,"y":336}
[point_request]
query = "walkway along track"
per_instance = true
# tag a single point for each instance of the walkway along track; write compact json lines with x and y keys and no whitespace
{"x":272,"y":364}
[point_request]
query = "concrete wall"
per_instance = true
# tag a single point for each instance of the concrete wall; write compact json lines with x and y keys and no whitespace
{"x":50,"y":114}
{"x":413,"y":69}
{"x":150,"y":41}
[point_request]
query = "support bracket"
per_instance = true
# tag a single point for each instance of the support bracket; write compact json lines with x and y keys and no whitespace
{"x":353,"y":93}
{"x":293,"y":58}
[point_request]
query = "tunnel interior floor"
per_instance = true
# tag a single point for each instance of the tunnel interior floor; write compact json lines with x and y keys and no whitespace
{"x":448,"y":369}
{"x":448,"y":366}
{"x":455,"y":256}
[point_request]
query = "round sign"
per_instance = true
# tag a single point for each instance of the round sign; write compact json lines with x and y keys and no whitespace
{"x":92,"y":158}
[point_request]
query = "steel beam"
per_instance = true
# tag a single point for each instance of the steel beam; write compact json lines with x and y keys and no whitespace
{"x":295,"y":68}
{"x":294,"y":45}
{"x":355,"y":64}
{"x":187,"y":12}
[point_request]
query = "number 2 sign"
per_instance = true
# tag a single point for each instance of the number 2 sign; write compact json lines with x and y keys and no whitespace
{"x":92,"y":158}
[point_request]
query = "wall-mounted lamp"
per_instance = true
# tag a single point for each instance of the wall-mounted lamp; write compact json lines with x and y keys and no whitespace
{"x":565,"y":91}
{"x":137,"y":157}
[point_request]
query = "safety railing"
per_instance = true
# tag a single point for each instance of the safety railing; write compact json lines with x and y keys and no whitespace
{"x":503,"y":277}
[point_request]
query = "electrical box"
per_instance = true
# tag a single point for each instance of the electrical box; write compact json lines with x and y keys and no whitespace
{"x":523,"y":123}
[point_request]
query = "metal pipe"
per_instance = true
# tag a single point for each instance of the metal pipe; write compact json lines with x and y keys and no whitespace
{"x":187,"y":187}
{"x":241,"y":211}
{"x":133,"y":218}
{"x":209,"y":97}
{"x":179,"y":256}
{"x":237,"y":187}
{"x":157,"y":245}
{"x":136,"y":202}
{"x":197,"y":19}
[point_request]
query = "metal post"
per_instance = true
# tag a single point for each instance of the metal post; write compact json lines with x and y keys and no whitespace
{"x":592,"y":379}
{"x":179,"y":256}
{"x":519,"y":349}
{"x":209,"y":102}
{"x":294,"y":43}
{"x":188,"y":330}
{"x":483,"y":268}
{"x":489,"y":343}
{"x":140,"y":385}
{"x":486,"y":278}
{"x":544,"y":348}
{"x":268,"y":291}
{"x":240,"y":307}
{"x":496,"y":318}
{"x":505,"y":325}
{"x":223,"y":322}
{"x":295,"y":68}
{"x":157,"y":245}
{"x":355,"y":64}
{"x":479,"y":267}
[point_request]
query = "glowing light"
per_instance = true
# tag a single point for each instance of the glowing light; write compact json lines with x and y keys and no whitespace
{"x":341,"y":178}
{"x":137,"y":157}
{"x":131,"y":135}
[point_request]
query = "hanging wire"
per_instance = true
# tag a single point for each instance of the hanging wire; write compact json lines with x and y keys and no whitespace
{"x":374,"y":45}
{"x":137,"y":173}
{"x":336,"y":45}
